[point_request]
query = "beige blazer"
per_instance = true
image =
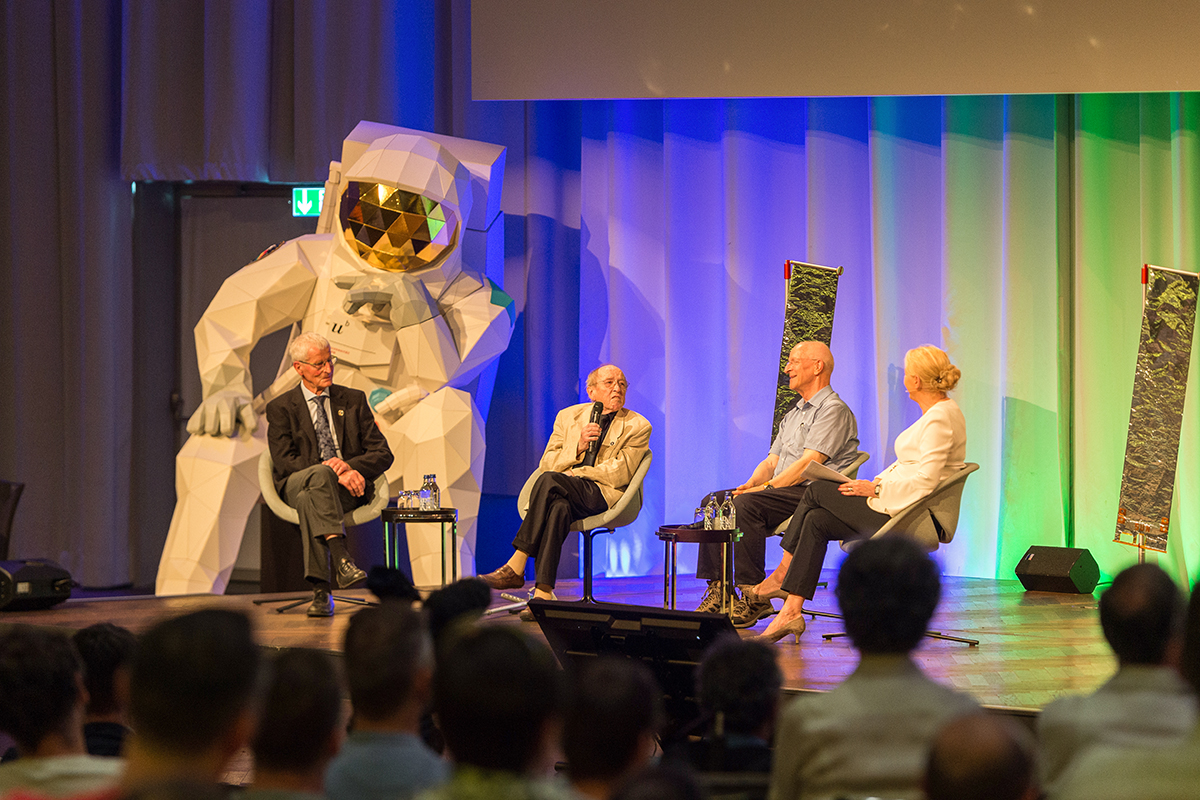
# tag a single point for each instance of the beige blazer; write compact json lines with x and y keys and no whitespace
{"x":621,"y":449}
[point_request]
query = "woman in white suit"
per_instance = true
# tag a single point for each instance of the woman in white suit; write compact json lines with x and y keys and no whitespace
{"x":929,"y":450}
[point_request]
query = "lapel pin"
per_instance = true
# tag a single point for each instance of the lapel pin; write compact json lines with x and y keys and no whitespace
{"x":341,"y":412}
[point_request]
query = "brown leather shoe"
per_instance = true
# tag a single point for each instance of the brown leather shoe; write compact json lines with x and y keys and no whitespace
{"x":503,"y":578}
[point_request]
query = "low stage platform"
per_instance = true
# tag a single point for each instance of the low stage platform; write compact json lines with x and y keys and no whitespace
{"x":1033,"y":646}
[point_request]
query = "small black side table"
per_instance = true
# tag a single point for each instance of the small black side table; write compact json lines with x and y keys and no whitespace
{"x":674,"y":535}
{"x":391,"y":546}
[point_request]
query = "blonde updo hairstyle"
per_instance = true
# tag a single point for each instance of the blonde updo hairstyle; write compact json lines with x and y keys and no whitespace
{"x":933,"y":367}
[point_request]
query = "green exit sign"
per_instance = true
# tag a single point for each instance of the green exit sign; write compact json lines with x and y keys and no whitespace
{"x":306,"y":201}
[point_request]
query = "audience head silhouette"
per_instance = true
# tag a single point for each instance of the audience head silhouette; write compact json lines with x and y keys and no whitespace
{"x":106,"y":650}
{"x":1191,"y":643}
{"x":192,"y":683}
{"x":888,"y":589}
{"x":300,"y":725}
{"x":497,"y":696}
{"x":613,"y":714}
{"x":462,"y":602}
{"x":41,"y":688}
{"x":983,"y":757}
{"x":738,"y":682}
{"x":1142,"y":615}
{"x":388,"y":661}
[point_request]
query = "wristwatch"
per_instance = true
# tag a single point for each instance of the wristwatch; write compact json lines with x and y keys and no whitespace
{"x":877,"y":490}
{"x":767,"y":485}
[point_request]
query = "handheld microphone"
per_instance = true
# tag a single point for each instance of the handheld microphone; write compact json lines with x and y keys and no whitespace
{"x":597,"y":412}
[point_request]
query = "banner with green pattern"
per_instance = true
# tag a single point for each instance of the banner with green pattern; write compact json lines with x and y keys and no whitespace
{"x":807,"y":317}
{"x":1159,"y":386}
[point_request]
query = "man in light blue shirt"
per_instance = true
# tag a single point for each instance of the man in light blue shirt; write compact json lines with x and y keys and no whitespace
{"x":820,"y":428}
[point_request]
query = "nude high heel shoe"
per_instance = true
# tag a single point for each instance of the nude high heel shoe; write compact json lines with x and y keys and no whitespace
{"x":795,"y":627}
{"x":754,"y":597}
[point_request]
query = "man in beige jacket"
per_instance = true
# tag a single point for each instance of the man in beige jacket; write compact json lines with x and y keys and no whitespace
{"x":577,"y":481}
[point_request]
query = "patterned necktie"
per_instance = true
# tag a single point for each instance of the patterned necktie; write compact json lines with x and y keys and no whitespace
{"x":324,"y":435}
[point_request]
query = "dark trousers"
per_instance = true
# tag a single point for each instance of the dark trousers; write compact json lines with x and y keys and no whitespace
{"x":824,"y":515}
{"x":757,"y":515}
{"x":556,"y":501}
{"x":319,"y":500}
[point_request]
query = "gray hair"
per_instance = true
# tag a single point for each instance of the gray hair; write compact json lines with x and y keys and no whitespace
{"x":304,"y":345}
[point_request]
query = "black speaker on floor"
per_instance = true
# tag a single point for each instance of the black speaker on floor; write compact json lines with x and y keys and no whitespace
{"x":32,"y":585}
{"x":1058,"y":569}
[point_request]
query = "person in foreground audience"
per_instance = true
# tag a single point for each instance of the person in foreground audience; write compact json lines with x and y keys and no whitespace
{"x":498,"y":698}
{"x":1166,"y":772}
{"x":42,"y":702}
{"x":614,"y":714}
{"x":446,"y":610}
{"x":1146,"y":702}
{"x":982,"y":757}
{"x":300,"y":729}
{"x":870,"y":735}
{"x":927,"y":452}
{"x":106,"y":650}
{"x":192,"y":691}
{"x":389,"y":670}
{"x":738,"y":683}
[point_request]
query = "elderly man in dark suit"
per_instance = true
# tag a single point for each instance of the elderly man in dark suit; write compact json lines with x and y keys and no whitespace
{"x":327,"y":453}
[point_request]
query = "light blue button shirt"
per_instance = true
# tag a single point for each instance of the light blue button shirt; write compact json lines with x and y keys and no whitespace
{"x":825,"y":424}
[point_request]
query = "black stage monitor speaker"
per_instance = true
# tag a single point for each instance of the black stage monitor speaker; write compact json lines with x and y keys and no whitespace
{"x":1058,"y":569}
{"x":670,"y":643}
{"x":32,"y":585}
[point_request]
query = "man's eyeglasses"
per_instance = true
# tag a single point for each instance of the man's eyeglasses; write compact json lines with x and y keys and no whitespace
{"x":320,"y":366}
{"x":610,"y":383}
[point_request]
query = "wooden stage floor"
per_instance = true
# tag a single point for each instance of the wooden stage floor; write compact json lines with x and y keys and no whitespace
{"x":1034,"y":646}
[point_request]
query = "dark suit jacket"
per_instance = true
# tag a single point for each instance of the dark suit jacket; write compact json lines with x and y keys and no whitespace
{"x":293,"y":440}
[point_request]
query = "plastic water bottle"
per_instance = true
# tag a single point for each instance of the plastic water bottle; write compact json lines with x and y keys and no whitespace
{"x":425,"y":493}
{"x":435,"y":494}
{"x":710,"y":514}
{"x":728,"y":513}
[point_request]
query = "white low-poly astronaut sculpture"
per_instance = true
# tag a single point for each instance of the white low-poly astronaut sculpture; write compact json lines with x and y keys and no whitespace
{"x":410,"y":325}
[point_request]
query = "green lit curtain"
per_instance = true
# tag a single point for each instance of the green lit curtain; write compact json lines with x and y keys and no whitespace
{"x":1136,"y":197}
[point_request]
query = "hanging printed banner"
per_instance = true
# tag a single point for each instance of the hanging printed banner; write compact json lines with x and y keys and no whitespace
{"x":1159,"y":386}
{"x":807,"y":317}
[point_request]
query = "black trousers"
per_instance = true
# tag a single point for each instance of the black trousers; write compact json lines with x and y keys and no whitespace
{"x":320,"y":501}
{"x":757,"y":515}
{"x":556,"y":501}
{"x":824,"y":515}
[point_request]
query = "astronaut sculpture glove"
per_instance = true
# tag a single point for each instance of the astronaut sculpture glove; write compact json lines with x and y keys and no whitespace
{"x":220,"y":413}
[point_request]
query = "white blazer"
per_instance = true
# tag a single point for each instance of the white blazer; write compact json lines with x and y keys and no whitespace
{"x":931,"y":449}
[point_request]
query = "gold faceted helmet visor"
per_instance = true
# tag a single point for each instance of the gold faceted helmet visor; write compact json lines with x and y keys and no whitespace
{"x":396,"y":230}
